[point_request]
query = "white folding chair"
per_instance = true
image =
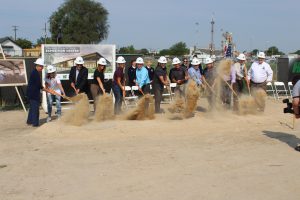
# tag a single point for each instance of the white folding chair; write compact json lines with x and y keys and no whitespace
{"x":280,"y":89}
{"x":130,"y":100}
{"x":172,"y":87}
{"x":135,"y":89}
{"x":290,"y":86}
{"x":270,"y":89}
{"x":151,"y":90}
{"x":167,"y":93}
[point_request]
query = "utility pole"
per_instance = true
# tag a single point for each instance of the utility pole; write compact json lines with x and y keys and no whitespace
{"x":15,"y":28}
{"x":212,"y":37}
{"x":45,"y":33}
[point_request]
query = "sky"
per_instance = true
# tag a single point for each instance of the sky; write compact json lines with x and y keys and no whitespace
{"x":158,"y":24}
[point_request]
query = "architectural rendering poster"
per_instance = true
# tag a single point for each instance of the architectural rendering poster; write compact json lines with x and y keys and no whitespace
{"x":63,"y":57}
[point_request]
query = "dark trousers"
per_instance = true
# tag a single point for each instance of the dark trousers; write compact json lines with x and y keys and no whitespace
{"x":179,"y":90}
{"x":226,"y":94}
{"x":95,"y":91}
{"x":158,"y":97}
{"x":33,"y":113}
{"x":238,"y":87}
{"x":146,"y":89}
{"x":254,"y":86}
{"x":118,"y":98}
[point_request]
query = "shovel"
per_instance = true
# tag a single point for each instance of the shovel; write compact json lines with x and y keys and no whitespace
{"x":228,"y":85}
{"x":56,"y":93}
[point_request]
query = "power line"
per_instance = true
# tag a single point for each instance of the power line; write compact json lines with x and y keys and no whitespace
{"x":15,"y":28}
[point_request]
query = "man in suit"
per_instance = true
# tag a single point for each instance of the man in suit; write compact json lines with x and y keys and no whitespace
{"x":132,"y":74}
{"x":78,"y":76}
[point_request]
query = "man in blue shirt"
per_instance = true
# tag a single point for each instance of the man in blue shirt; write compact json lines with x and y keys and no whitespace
{"x":194,"y":71}
{"x":142,"y":77}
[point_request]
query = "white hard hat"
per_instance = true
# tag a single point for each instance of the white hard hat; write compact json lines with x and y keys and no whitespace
{"x":101,"y":61}
{"x":195,"y":61}
{"x":213,"y":57}
{"x":162,"y":59}
{"x":175,"y":61}
{"x":121,"y":60}
{"x":208,"y":61}
{"x":39,"y":61}
{"x":51,"y":69}
{"x":241,"y":57}
{"x":79,"y":61}
{"x":261,"y":55}
{"x":139,"y":60}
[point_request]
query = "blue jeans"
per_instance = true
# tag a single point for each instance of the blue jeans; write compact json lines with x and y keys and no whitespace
{"x":33,"y":113}
{"x":118,"y":98}
{"x":50,"y":99}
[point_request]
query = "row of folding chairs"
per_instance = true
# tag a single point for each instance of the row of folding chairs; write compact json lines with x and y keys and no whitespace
{"x":131,"y":98}
{"x":279,"y":90}
{"x":168,"y":93}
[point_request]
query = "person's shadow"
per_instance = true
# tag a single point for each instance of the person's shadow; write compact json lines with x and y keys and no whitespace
{"x":289,"y":139}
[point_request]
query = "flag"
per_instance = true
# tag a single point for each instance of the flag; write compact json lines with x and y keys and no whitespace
{"x":228,"y":51}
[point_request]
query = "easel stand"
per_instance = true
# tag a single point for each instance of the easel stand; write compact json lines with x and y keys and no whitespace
{"x":16,"y":88}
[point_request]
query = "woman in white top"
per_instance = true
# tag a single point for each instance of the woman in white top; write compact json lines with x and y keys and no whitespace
{"x":53,"y":82}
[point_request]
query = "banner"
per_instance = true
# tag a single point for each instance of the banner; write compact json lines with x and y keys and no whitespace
{"x":12,"y":72}
{"x":62,"y":56}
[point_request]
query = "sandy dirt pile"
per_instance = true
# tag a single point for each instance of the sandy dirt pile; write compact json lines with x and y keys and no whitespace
{"x":104,"y":108}
{"x":177,"y":106}
{"x":224,"y":66}
{"x":203,"y":157}
{"x":144,"y":109}
{"x":181,"y":107}
{"x":253,"y":104}
{"x":260,"y":98}
{"x":192,"y":94}
{"x":79,"y":114}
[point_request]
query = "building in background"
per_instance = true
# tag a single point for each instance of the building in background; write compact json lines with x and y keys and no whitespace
{"x":10,"y":48}
{"x":34,"y":52}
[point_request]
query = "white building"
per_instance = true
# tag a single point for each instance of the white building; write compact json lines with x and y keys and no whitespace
{"x":10,"y":48}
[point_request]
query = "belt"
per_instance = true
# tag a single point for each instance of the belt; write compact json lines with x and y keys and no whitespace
{"x":257,"y":83}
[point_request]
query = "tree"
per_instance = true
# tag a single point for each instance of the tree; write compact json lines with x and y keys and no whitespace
{"x":24,"y":43}
{"x":127,"y":50}
{"x":164,"y":52}
{"x":41,"y":40}
{"x":80,"y":22}
{"x":297,"y":52}
{"x":273,"y":51}
{"x":179,"y":49}
{"x":144,"y":51}
{"x":254,"y":52}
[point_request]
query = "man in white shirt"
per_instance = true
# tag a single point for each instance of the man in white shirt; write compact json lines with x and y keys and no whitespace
{"x":260,"y":73}
{"x":296,"y":100}
{"x":296,"y":95}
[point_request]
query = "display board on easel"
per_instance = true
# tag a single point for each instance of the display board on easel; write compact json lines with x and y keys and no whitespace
{"x":13,"y":73}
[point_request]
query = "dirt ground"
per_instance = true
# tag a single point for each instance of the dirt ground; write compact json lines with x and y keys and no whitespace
{"x":209,"y":156}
